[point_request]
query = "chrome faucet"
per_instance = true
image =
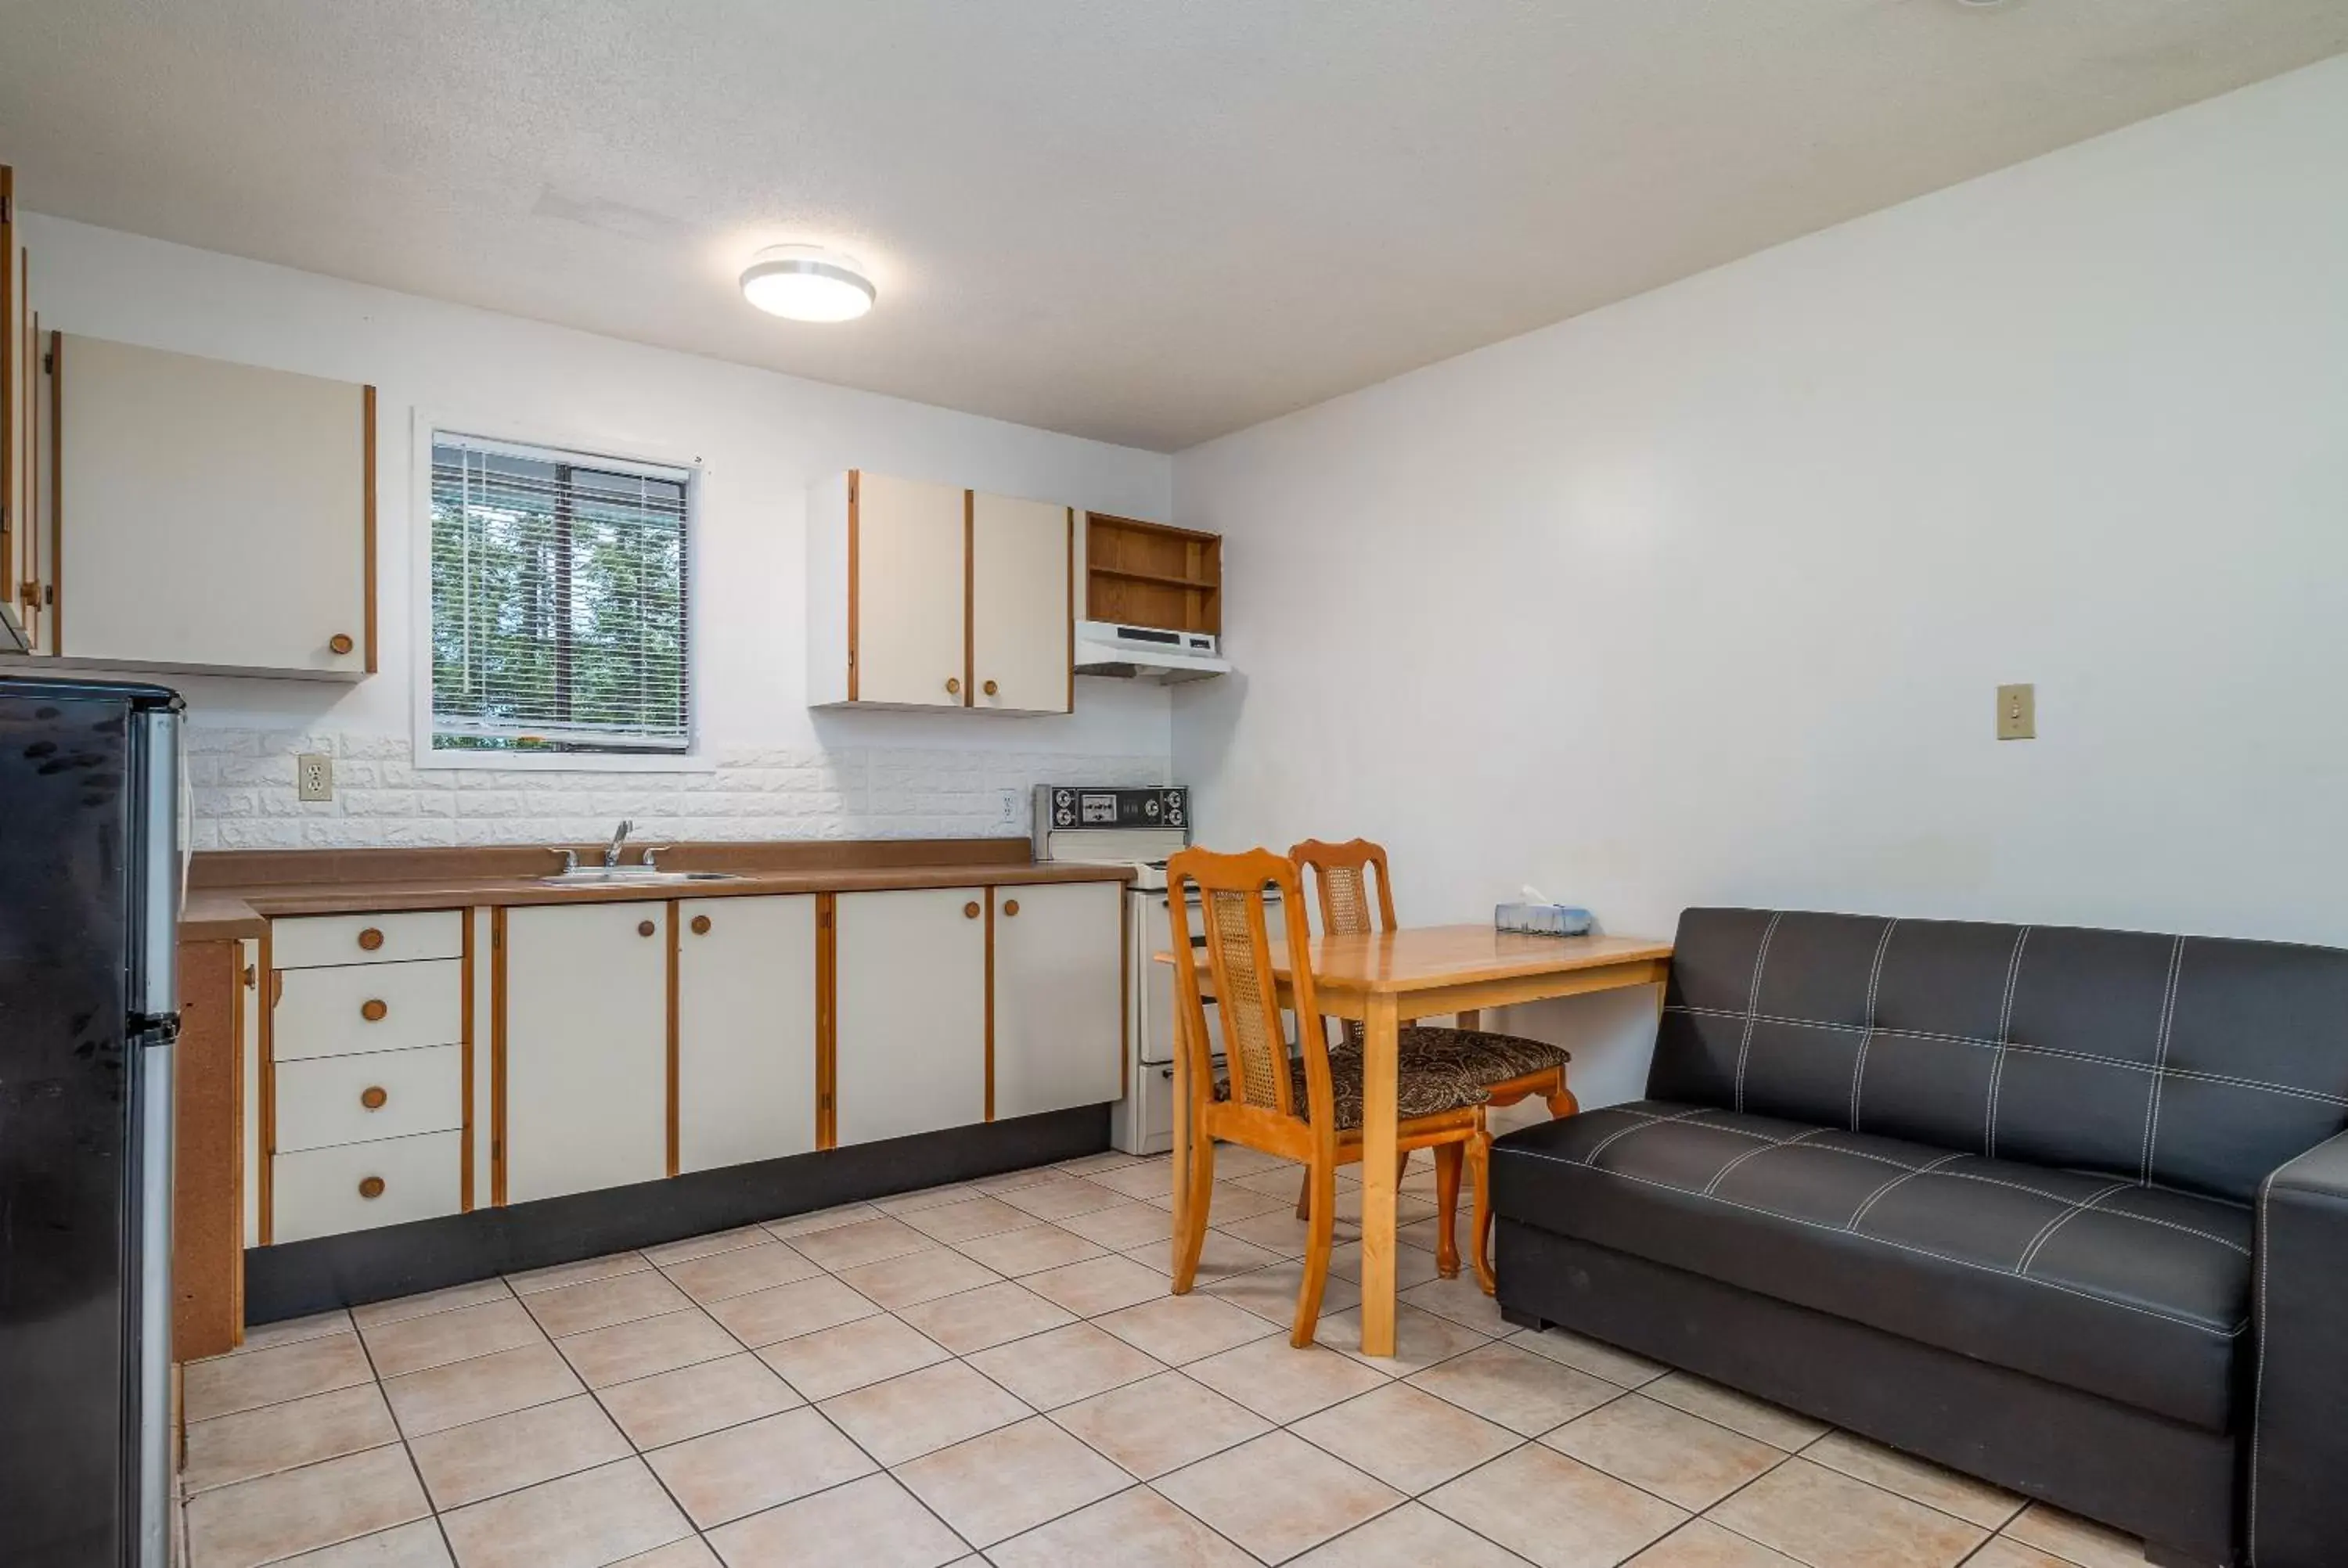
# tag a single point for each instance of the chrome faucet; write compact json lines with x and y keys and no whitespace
{"x":619,"y":837}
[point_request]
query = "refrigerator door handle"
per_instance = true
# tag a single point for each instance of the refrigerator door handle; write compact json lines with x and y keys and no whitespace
{"x":156,"y":940}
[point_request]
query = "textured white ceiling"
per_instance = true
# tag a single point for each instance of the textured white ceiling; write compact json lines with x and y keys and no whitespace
{"x":1146,"y":220}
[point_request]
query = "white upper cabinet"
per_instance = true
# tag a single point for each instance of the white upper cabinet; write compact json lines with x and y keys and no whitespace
{"x":211,"y":514}
{"x":745,"y":1016}
{"x":1059,"y":997}
{"x":911,"y":1013}
{"x":921,"y":594}
{"x":1020,"y":610}
{"x":586,"y":1048}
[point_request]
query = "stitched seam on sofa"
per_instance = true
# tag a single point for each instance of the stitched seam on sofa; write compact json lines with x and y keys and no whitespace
{"x":2107,"y":1214}
{"x":2046,"y":1232}
{"x":1874,"y":980}
{"x":2258,"y":1311}
{"x":1608,"y":1142}
{"x":1876,"y":1197}
{"x":1753,"y":1002}
{"x":1722,"y":1173}
{"x":2160,"y":1057}
{"x":2194,"y":1074}
{"x":2004,"y":1038}
{"x":2202,"y":1323}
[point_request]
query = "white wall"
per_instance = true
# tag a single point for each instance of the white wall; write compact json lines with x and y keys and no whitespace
{"x":1702,"y":597}
{"x":762,"y":436}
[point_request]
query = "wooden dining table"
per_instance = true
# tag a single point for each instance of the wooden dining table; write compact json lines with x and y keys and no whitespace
{"x":1387,"y":978}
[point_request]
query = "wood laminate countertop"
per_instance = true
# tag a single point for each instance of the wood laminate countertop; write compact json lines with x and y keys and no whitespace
{"x":223,"y":906}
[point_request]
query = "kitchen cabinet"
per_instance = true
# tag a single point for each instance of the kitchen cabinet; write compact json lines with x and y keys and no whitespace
{"x":585,"y":1047}
{"x":1021,"y":607}
{"x":909,"y":1007}
{"x":745,"y":1029}
{"x":920,"y":595}
{"x":1059,"y":997}
{"x":211,"y":516}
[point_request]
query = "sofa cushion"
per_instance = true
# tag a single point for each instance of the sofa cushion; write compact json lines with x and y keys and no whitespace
{"x":2184,"y":1061}
{"x":2137,"y":1293}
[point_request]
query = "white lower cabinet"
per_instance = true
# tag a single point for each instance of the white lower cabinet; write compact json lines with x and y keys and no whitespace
{"x":1059,"y":999}
{"x":910,"y":1010}
{"x":586,"y":1048}
{"x":745,"y":1015}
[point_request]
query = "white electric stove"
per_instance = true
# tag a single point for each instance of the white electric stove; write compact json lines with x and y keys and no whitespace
{"x":1138,"y":828}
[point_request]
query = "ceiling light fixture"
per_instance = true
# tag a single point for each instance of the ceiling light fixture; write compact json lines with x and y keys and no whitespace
{"x":808,"y":283}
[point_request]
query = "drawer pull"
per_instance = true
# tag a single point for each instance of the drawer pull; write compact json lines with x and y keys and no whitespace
{"x":373,"y":1010}
{"x":371,"y":1188}
{"x":370,"y":939}
{"x":969,"y":910}
{"x":954,"y":686}
{"x":374,"y":1097}
{"x":1011,"y":906}
{"x":646,"y":927}
{"x":701,"y":925}
{"x":340,"y":643}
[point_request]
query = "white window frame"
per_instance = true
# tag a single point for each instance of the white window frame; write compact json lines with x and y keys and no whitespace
{"x":425,"y":427}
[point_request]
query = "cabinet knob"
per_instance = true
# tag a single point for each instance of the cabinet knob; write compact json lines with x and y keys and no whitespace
{"x":969,"y":910}
{"x":1011,"y":906}
{"x":701,"y":925}
{"x":373,"y":1097}
{"x":252,"y":979}
{"x":371,"y":1188}
{"x":989,"y":688}
{"x":954,"y":686}
{"x":340,"y":643}
{"x":370,"y":939}
{"x":646,"y":927}
{"x":373,"y":1010}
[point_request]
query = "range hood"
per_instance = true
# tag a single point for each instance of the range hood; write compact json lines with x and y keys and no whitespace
{"x":1147,"y":652}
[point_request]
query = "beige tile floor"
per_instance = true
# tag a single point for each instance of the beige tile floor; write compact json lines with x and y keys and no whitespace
{"x":996,"y":1373}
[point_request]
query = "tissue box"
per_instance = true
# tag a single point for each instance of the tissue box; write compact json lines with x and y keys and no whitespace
{"x":1542,"y":920}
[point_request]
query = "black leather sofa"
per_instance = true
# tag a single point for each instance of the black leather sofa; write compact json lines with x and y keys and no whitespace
{"x":2065,"y":1209}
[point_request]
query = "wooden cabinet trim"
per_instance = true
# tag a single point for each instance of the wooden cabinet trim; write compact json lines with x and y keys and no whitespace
{"x":367,"y":529}
{"x":675,"y":914}
{"x":990,"y":1004}
{"x":56,"y":594}
{"x":465,"y":1041}
{"x":969,"y":600}
{"x":497,"y":1056}
{"x":11,"y":379}
{"x":827,"y":1013}
{"x":267,"y":1143}
{"x":853,"y":486}
{"x":1072,"y":609}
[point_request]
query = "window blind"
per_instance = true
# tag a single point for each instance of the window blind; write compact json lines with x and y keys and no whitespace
{"x":558,"y":601}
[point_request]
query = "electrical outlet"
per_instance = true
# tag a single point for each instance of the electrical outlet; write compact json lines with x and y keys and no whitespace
{"x":1010,"y":808}
{"x":2017,"y":712}
{"x":314,"y":777}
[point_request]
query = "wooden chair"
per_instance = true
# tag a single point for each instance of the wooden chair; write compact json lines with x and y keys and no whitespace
{"x":1508,"y":1068}
{"x":1303,"y":1104}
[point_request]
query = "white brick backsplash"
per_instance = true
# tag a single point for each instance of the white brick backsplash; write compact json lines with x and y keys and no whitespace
{"x":242,"y":781}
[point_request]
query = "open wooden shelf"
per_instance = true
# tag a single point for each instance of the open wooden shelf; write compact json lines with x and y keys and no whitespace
{"x":1152,"y":574}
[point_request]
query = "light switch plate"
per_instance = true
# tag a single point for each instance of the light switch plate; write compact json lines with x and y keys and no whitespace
{"x":314,"y":777}
{"x":2017,"y":712}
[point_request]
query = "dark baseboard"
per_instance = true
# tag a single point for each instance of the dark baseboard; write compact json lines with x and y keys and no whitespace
{"x":305,"y":1277}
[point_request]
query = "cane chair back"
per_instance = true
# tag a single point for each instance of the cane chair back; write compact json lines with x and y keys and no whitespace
{"x":1238,"y":930}
{"x":1348,"y":876}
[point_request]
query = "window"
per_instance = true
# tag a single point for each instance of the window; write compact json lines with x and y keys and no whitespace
{"x":558,"y":602}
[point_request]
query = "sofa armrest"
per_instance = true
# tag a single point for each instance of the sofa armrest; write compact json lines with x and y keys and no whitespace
{"x":2298,"y":1445}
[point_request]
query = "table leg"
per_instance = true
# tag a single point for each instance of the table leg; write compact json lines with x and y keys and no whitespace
{"x":1379,"y":1129}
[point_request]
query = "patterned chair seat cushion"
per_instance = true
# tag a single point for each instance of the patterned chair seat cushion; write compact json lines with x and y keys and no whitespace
{"x":1440,"y":1070}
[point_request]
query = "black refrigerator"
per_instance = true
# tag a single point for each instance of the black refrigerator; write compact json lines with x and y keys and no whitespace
{"x":90,"y":882}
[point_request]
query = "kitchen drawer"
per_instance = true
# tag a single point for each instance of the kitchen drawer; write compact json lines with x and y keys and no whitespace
{"x":322,"y":1191}
{"x":317,"y":940}
{"x":324,"y":1102}
{"x":326,"y":1012}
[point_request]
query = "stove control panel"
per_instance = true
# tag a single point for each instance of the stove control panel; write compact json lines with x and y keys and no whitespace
{"x":1064,"y":808}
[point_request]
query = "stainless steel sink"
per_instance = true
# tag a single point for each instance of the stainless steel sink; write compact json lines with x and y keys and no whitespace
{"x":631,"y":876}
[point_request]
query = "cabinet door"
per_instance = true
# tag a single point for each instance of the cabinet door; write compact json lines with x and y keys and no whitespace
{"x":907,"y":581}
{"x":911,"y":1053}
{"x":586,"y":1048}
{"x":212,"y":514}
{"x":745,"y":1029}
{"x":1020,"y":607}
{"x":1059,"y":1012}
